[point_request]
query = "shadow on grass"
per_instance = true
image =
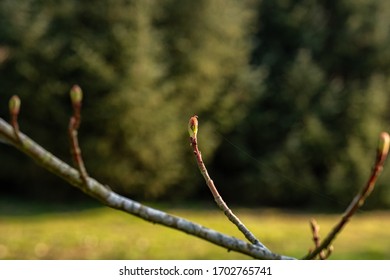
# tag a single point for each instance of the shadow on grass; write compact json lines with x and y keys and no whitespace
{"x":14,"y":207}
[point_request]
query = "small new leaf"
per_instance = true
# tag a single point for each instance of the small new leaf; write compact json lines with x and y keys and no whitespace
{"x":76,"y":94}
{"x":193,"y":126}
{"x":14,"y":105}
{"x":383,"y":147}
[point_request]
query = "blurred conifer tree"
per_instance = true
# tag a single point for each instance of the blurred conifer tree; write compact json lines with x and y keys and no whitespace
{"x":314,"y":131}
{"x":145,"y":67}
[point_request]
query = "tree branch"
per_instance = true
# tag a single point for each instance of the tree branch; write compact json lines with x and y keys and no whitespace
{"x":116,"y":201}
{"x":358,"y":201}
{"x":79,"y":178}
{"x":315,"y":229}
{"x":76,"y":96}
{"x":193,"y":131}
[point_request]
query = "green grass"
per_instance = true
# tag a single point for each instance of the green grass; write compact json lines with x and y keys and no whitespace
{"x":55,"y":232}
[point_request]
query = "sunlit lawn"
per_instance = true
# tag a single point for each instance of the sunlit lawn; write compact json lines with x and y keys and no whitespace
{"x":102,"y":233}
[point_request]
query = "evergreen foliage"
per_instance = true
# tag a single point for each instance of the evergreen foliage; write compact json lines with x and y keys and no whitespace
{"x":314,"y":131}
{"x":301,"y":131}
{"x":145,"y":67}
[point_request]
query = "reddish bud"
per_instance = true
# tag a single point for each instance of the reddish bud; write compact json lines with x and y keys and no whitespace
{"x":193,"y":126}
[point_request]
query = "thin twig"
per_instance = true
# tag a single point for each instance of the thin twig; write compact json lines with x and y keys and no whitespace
{"x":315,"y":229}
{"x":193,"y":130}
{"x":116,"y":201}
{"x":358,"y":201}
{"x":74,"y":124}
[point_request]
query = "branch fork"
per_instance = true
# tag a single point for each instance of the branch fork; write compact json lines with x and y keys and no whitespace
{"x":79,"y":178}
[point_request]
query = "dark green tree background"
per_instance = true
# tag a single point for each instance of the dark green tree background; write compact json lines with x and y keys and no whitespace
{"x":145,"y":68}
{"x":291,"y":95}
{"x":312,"y":136}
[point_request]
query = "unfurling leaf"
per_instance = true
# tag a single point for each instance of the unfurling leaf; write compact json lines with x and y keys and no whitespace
{"x":383,"y":146}
{"x":14,"y":105}
{"x":193,"y":126}
{"x":76,"y":94}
